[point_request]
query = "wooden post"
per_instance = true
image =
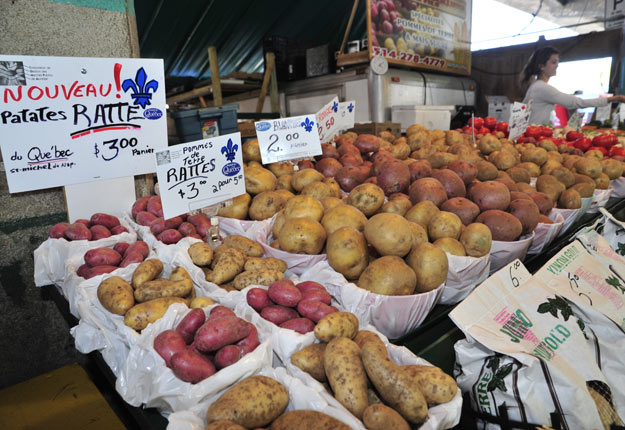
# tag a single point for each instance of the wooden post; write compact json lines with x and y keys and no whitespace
{"x":273,"y":92}
{"x":349,"y":26}
{"x":216,"y":82}
{"x":271,"y":60}
{"x":203,"y":102}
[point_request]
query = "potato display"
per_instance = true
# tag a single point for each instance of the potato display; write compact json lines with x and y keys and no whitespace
{"x":99,"y":226}
{"x":198,"y":346}
{"x":104,"y":260}
{"x":297,"y":307}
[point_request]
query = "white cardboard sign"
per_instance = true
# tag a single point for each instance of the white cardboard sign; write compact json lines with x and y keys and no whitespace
{"x":347,"y":115}
{"x":519,"y":119}
{"x":198,"y":174}
{"x":602,"y":113}
{"x":71,"y":120}
{"x":287,"y":138}
{"x":328,"y":123}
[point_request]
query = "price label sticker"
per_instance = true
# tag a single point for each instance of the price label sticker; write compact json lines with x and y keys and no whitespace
{"x":602,"y":113}
{"x":347,"y":115}
{"x":198,"y":174}
{"x":575,"y":121}
{"x":328,"y":120}
{"x":288,"y":138}
{"x":519,"y":119}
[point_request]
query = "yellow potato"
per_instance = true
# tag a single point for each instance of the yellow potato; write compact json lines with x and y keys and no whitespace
{"x":250,"y":247}
{"x":256,"y":277}
{"x":251,"y":151}
{"x":269,"y":263}
{"x":364,"y":336}
{"x":265,"y":205}
{"x":227,"y":264}
{"x":347,"y":252}
{"x":302,"y":236}
{"x":259,"y":179}
{"x":140,"y":315}
{"x":303,"y":206}
{"x":238,"y":209}
{"x":146,"y":271}
{"x":253,"y":402}
{"x":116,"y":295}
{"x":303,"y":177}
{"x":163,"y":288}
{"x":201,"y":302}
{"x":388,"y":275}
{"x":310,"y":360}
{"x":437,"y":386}
{"x":224,"y":425}
{"x":337,"y":324}
{"x":343,"y":216}
{"x":368,"y":198}
{"x":381,"y":417}
{"x":201,"y":253}
{"x":307,"y":420}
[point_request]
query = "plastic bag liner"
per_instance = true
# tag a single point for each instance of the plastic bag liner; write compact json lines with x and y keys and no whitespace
{"x":441,"y":416}
{"x":393,"y":316}
{"x":463,"y":275}
{"x":301,"y":397}
{"x":51,"y":255}
{"x":146,"y":380}
{"x":250,"y":229}
{"x":525,"y":353}
{"x":502,"y":253}
{"x":544,"y":234}
{"x":599,"y":199}
{"x":297,"y":263}
{"x":613,"y":231}
{"x":569,"y":215}
{"x":619,"y":187}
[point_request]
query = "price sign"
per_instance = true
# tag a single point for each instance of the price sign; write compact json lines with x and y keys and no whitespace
{"x":328,"y":120}
{"x":287,"y":138}
{"x":72,"y":120}
{"x":575,"y":121}
{"x":602,"y":113}
{"x":347,"y":115}
{"x":519,"y":119}
{"x":199,"y":174}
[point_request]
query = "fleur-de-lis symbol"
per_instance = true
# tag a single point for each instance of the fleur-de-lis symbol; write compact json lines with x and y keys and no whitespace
{"x":350,"y":107}
{"x":140,"y":88}
{"x":229,"y":150}
{"x":308,"y":124}
{"x":335,"y":107}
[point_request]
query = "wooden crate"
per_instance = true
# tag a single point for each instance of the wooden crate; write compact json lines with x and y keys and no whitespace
{"x":247,"y":129}
{"x":377,"y":127}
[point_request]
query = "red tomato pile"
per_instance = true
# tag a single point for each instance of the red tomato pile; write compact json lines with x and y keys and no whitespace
{"x":488,"y":125}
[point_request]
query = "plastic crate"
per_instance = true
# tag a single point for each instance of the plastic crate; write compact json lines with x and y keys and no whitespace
{"x":198,"y":124}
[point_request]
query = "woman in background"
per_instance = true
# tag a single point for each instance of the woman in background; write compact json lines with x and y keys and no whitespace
{"x":541,"y":66}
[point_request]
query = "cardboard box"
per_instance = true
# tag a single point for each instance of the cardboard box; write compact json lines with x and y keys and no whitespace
{"x":377,"y":127}
{"x":247,"y":129}
{"x":499,"y":107}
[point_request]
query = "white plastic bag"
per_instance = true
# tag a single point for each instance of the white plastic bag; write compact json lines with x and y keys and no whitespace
{"x":51,"y":255}
{"x":569,"y":215}
{"x":463,"y":275}
{"x":250,"y":229}
{"x":393,"y":316}
{"x":544,"y":234}
{"x":599,"y":199}
{"x":502,"y":253}
{"x":618,"y":186}
{"x":297,"y":263}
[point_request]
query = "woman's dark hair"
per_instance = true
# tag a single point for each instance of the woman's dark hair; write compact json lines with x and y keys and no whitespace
{"x":538,"y":58}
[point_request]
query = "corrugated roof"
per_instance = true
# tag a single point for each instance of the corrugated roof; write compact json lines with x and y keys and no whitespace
{"x":181,"y":31}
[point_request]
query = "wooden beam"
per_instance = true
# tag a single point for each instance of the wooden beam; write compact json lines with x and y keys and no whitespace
{"x":203,"y":102}
{"x":271,"y":60}
{"x":273,"y":92}
{"x":349,"y":26}
{"x":216,"y":83}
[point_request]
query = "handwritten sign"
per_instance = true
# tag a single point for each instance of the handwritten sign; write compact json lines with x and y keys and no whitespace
{"x":199,"y":174}
{"x":602,"y":113}
{"x":575,"y":121}
{"x":347,"y":115}
{"x":287,"y":138}
{"x":72,"y":120}
{"x":328,"y":120}
{"x":519,"y":119}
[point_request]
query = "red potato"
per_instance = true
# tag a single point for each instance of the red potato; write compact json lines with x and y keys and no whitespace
{"x":100,"y":270}
{"x":350,"y":160}
{"x":258,"y":299}
{"x":83,"y":271}
{"x":195,"y":236}
{"x":349,"y":177}
{"x":119,"y":229}
{"x":320,"y":295}
{"x":108,"y":221}
{"x":348,"y":148}
{"x":278,"y":314}
{"x":191,"y":367}
{"x":250,"y":342}
{"x":315,"y":310}
{"x":221,"y":311}
{"x":141,"y":205}
{"x":300,"y":325}
{"x":190,"y":323}
{"x":328,"y":167}
{"x":284,"y":293}
{"x":77,"y":231}
{"x":187,"y":229}
{"x":216,"y":333}
{"x":155,"y":206}
{"x":145,"y":218}
{"x":367,"y":143}
{"x":140,"y":246}
{"x":102,"y":257}
{"x":167,"y":343}
{"x":227,"y":355}
{"x":58,"y":230}
{"x":173,"y":222}
{"x":305,"y":164}
{"x":157,"y":226}
{"x":131,"y":258}
{"x":121,"y":247}
{"x":371,"y":180}
{"x":198,"y":219}
{"x":86,"y":222}
{"x":309,"y":285}
{"x":184,"y":217}
{"x":99,"y":232}
{"x":170,"y":236}
{"x":328,"y":151}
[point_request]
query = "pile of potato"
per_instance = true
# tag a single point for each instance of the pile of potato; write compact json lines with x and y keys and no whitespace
{"x":200,"y":346}
{"x":147,"y":297}
{"x":293,"y":306}
{"x":237,"y":263}
{"x":104,"y":260}
{"x":366,"y":381}
{"x":99,"y":226}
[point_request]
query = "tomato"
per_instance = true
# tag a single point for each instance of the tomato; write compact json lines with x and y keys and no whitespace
{"x":574,"y":135}
{"x":546,"y":131}
{"x":490,"y":122}
{"x":605,"y":140}
{"x":484,"y":130}
{"x":599,"y":148}
{"x":469,"y":130}
{"x":617,"y":151}
{"x":532,"y":131}
{"x":583,"y":144}
{"x":502,"y":126}
{"x":476,"y":122}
